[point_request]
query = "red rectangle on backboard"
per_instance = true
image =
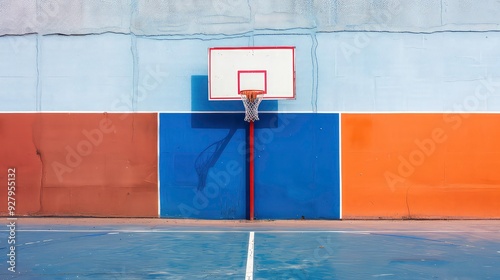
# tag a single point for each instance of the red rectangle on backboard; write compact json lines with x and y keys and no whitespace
{"x":252,"y":80}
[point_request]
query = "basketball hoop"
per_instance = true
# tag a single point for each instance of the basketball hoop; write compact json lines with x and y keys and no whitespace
{"x":251,"y":100}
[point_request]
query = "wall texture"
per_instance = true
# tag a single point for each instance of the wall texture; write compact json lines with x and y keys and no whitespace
{"x":81,"y":164}
{"x":420,"y":165}
{"x":375,"y":81}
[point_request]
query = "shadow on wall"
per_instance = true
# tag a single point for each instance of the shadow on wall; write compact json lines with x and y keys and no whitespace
{"x":200,"y":102}
{"x":202,"y":171}
{"x":204,"y":155}
{"x":297,"y":166}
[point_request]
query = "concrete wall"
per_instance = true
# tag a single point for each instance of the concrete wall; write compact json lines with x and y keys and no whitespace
{"x":372,"y":72}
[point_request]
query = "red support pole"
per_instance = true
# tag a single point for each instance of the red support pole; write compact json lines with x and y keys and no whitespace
{"x":251,"y":168}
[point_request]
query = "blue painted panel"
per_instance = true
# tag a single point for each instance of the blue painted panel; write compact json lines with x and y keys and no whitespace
{"x":184,"y":145}
{"x":297,"y":167}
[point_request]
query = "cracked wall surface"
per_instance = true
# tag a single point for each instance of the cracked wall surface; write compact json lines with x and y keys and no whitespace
{"x":81,"y":164}
{"x":346,"y":72}
{"x":232,"y":17}
{"x":351,"y":56}
{"x":369,"y":61}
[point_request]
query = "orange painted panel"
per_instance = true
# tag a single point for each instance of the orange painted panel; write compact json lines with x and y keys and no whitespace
{"x":420,"y":166}
{"x":87,"y":164}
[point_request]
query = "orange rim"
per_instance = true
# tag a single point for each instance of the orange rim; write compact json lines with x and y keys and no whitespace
{"x":248,"y":92}
{"x":251,"y":94}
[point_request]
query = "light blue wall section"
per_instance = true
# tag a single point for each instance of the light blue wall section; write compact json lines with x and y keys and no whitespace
{"x":176,"y":61}
{"x":86,"y":73}
{"x":346,"y":72}
{"x":351,"y":55}
{"x":409,"y":72}
{"x":305,"y":71}
{"x":165,"y":70}
{"x":189,"y":17}
{"x":18,"y":75}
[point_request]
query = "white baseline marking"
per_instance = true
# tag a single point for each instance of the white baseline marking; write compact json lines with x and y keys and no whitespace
{"x":249,"y":270}
{"x":383,"y":275}
{"x":249,"y":230}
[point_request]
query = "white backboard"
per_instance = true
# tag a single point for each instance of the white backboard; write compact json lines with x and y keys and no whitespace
{"x":232,"y":69}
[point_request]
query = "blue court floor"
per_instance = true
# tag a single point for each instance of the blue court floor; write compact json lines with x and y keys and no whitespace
{"x":179,"y":249}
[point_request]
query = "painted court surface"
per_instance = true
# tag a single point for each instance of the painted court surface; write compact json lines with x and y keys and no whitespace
{"x":48,"y":248}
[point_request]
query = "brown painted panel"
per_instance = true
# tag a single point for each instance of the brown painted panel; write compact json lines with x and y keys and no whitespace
{"x":18,"y":150}
{"x":93,"y":164}
{"x":101,"y":201}
{"x":420,"y":165}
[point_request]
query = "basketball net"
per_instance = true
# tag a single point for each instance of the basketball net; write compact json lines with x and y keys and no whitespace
{"x":251,"y":100}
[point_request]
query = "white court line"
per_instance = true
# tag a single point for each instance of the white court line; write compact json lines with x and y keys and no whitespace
{"x":246,"y":231}
{"x":340,"y":165}
{"x":249,"y":270}
{"x":158,"y":131}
